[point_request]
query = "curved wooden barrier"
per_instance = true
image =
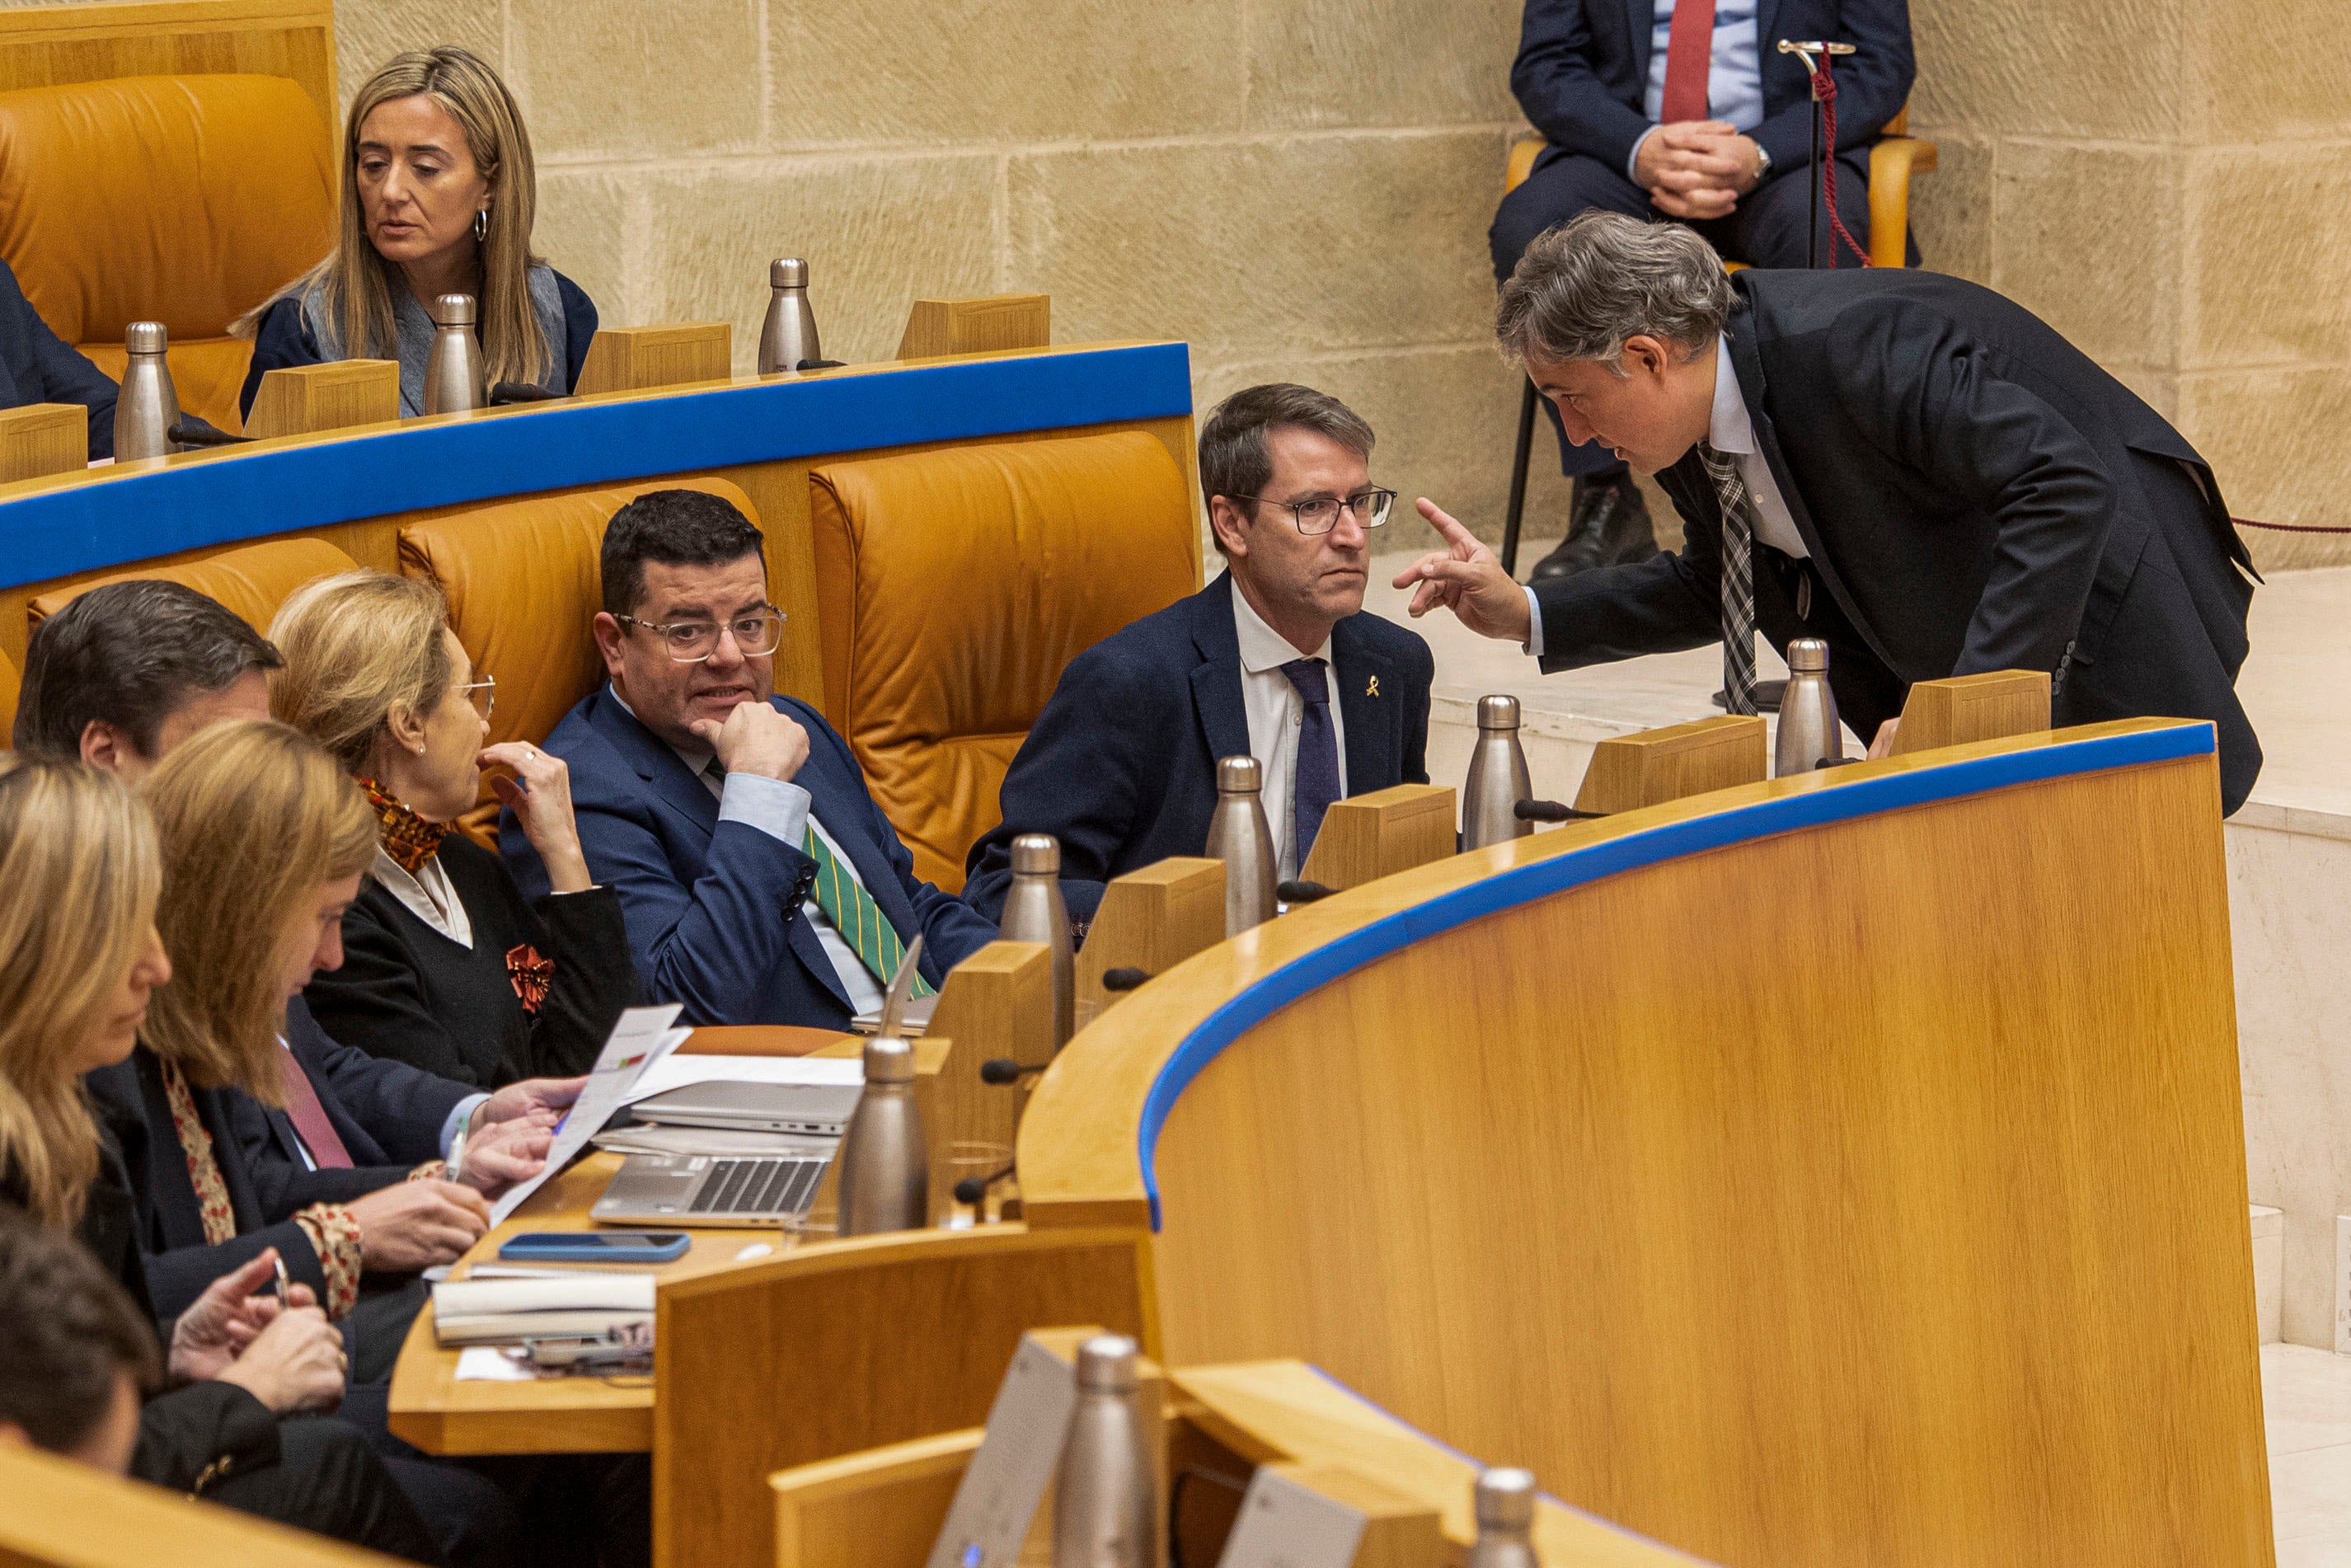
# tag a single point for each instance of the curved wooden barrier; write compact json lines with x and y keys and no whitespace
{"x":1844,"y":1169}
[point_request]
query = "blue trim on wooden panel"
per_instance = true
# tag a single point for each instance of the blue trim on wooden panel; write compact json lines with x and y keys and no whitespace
{"x":1539,"y":879}
{"x":227,"y":497}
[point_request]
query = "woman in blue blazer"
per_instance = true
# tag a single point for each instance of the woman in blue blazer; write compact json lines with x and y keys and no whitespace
{"x":439,"y":197}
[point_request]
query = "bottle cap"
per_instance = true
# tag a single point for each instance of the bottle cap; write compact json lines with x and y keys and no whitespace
{"x":788,"y":272}
{"x":1498,"y":713}
{"x":889,"y":1061}
{"x":1238,"y":776}
{"x":1106,"y":1365}
{"x":452,"y":310}
{"x":146,"y":338}
{"x":1506,"y":1499}
{"x":1037,"y":853}
{"x":1808,"y":655}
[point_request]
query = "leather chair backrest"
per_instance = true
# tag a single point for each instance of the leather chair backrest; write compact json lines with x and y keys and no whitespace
{"x":251,"y":581}
{"x":181,"y":199}
{"x":10,"y":682}
{"x":522,"y":582}
{"x":957,"y":584}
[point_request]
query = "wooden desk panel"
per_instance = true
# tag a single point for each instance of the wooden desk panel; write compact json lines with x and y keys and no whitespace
{"x":1865,"y":1186}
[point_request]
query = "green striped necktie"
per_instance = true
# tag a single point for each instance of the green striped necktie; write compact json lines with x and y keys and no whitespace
{"x":855,"y":916}
{"x":849,"y":906}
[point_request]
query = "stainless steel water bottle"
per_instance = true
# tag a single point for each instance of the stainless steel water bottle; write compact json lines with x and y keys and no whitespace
{"x":1105,"y":1499}
{"x":1498,"y":778}
{"x":1239,"y":836}
{"x":453,"y":376}
{"x":885,"y":1164}
{"x":1506,"y":1519}
{"x":1033,"y":912}
{"x":788,"y":334}
{"x":148,"y":405}
{"x":1808,"y":713}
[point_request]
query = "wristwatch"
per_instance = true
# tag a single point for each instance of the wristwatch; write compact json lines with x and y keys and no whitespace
{"x":1762,"y":163}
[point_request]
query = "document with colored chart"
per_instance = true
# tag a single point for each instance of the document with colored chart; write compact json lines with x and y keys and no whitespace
{"x":642,"y":1037}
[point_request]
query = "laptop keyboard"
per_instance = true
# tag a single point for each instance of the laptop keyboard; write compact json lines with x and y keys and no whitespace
{"x":759,"y":1186}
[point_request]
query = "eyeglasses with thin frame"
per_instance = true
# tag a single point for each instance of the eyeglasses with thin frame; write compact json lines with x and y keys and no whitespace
{"x":482,"y":693}
{"x":756,"y":632}
{"x":1320,"y":515}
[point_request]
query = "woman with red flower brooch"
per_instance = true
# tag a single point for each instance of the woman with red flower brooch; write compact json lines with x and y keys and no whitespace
{"x":446,"y":966}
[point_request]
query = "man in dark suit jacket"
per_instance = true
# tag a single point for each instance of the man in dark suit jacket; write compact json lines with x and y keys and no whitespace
{"x":1933,"y":482}
{"x":1654,"y":113}
{"x":38,"y":366}
{"x":760,"y":881}
{"x":1121,"y":765}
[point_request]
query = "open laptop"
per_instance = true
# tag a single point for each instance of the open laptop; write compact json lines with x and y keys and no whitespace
{"x":727,"y":1189}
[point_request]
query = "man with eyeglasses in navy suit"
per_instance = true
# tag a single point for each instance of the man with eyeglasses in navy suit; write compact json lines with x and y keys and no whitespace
{"x":759,"y":882}
{"x":1275,"y":660}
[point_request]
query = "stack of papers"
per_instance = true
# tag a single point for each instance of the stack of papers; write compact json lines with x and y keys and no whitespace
{"x":509,"y":1312}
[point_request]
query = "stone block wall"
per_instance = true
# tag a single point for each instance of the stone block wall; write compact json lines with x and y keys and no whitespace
{"x":2168,"y":184}
{"x":1297,"y":188}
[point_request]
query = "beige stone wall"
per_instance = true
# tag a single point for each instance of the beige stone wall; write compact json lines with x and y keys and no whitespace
{"x":1297,"y":188}
{"x":2168,"y":183}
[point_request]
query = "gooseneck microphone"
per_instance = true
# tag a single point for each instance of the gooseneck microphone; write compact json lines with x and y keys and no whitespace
{"x":971,"y":1190}
{"x":1300,"y":891}
{"x":519,"y":392}
{"x":1123,"y":980}
{"x":1004,"y":1070}
{"x":183,"y":434}
{"x":1552,"y":811}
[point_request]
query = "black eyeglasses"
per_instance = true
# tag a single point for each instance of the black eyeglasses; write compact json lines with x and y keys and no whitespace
{"x":756,"y":631}
{"x":1320,"y":515}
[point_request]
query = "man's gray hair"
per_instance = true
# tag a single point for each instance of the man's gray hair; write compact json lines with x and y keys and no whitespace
{"x":1583,"y":287}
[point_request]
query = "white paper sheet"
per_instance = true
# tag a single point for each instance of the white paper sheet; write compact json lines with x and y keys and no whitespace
{"x":489,"y":1364}
{"x":638,"y":1041}
{"x":677,"y":1072}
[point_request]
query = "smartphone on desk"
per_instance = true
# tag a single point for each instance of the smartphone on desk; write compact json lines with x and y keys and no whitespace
{"x":595,"y":1246}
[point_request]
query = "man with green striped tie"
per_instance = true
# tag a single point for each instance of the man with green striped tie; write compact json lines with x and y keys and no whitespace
{"x":760,"y":881}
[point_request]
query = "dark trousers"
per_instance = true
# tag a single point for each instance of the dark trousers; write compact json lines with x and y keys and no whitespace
{"x":330,"y":1480}
{"x":1766,"y":229}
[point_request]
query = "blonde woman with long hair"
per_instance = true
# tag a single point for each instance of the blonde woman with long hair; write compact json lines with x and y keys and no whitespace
{"x":264,"y":840}
{"x":80,"y":965}
{"x":446,"y":966}
{"x":439,"y":197}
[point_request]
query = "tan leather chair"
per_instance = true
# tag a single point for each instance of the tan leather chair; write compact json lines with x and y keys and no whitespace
{"x":251,"y":581}
{"x":10,"y":682}
{"x":522,"y":582}
{"x":187,"y":200}
{"x":957,"y":584}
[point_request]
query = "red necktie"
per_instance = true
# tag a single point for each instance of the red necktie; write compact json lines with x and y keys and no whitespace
{"x":1690,"y":57}
{"x":309,"y":1119}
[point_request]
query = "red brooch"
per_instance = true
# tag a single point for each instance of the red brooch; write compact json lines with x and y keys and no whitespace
{"x":531,"y":976}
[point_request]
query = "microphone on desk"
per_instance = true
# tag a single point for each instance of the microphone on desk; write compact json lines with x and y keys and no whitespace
{"x":971,"y":1190}
{"x":1551,"y":812}
{"x":1123,"y":980}
{"x":183,"y":434}
{"x":1004,"y":1070}
{"x":519,"y":392}
{"x":1302,"y":891}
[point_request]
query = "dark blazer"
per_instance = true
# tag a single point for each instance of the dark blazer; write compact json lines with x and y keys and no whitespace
{"x":1975,"y":495}
{"x":714,"y":908}
{"x":186,"y":1433}
{"x":388,"y":1114}
{"x":38,"y":366}
{"x":282,"y":339}
{"x":1121,"y":765}
{"x":409,"y":993}
{"x":1583,"y":73}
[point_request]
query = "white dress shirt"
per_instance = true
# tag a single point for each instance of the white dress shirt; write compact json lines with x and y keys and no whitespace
{"x":427,"y":896}
{"x":1734,"y":78}
{"x":1276,"y":715}
{"x":1728,"y":431}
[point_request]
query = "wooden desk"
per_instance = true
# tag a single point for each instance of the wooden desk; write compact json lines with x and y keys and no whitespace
{"x":1839,"y":1170}
{"x":549,"y":1416}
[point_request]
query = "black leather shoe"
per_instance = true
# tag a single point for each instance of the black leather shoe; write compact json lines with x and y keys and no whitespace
{"x":1608,"y":524}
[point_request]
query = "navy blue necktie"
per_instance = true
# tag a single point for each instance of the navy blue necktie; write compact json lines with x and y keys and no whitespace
{"x":1314,"y":783}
